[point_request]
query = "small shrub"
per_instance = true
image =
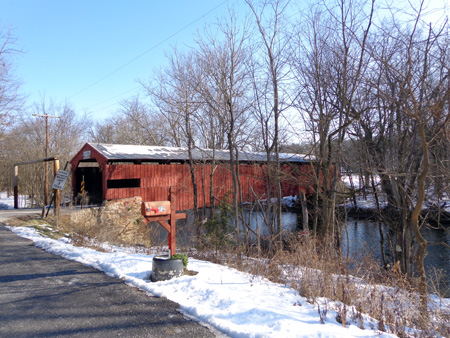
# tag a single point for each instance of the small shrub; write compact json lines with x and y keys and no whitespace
{"x":183,"y":257}
{"x":219,"y":228}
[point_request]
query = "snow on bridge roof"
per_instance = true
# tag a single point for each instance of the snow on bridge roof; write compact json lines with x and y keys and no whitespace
{"x":123,"y":152}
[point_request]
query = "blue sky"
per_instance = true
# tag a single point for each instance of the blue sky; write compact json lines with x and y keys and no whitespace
{"x":70,"y":45}
{"x":91,"y":53}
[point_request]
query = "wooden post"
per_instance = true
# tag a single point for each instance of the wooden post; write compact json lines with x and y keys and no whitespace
{"x":304,"y":210}
{"x":173,"y":221}
{"x":166,"y":220}
{"x":16,"y":189}
{"x":47,"y":142}
{"x":16,"y":177}
{"x":57,"y":193}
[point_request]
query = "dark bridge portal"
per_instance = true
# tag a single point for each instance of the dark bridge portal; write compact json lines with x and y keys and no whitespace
{"x":92,"y":183}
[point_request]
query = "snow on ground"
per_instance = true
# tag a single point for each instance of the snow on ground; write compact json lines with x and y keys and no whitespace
{"x":236,"y":303}
{"x":355,"y":180}
{"x":7,"y":202}
{"x":233,"y":302}
{"x":368,"y":201}
{"x":289,"y":201}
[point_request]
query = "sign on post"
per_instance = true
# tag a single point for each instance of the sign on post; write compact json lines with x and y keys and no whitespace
{"x":60,"y":179}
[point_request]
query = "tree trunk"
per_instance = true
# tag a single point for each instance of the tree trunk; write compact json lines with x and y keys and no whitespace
{"x":420,"y":256}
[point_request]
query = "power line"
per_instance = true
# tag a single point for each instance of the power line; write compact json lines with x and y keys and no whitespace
{"x":147,"y":51}
{"x":100,"y":109}
{"x":112,"y":98}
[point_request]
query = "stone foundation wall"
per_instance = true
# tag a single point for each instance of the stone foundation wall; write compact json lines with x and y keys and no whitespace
{"x":125,"y":215}
{"x":118,"y":221}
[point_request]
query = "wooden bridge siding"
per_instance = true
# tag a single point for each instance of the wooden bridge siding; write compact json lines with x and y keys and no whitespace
{"x":297,"y":178}
{"x":155,"y":181}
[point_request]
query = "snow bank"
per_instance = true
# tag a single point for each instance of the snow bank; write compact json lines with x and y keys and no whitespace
{"x":236,"y":303}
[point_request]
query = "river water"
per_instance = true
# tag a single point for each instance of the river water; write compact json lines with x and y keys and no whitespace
{"x":360,"y":237}
{"x":364,"y":236}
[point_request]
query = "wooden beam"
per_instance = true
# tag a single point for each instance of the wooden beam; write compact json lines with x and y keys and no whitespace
{"x":173,"y":221}
{"x":40,"y":115}
{"x":165,"y":225}
{"x":48,"y":159}
{"x":16,"y":175}
{"x":164,"y":218}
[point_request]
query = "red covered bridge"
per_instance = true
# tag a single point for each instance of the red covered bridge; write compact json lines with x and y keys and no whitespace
{"x":110,"y":171}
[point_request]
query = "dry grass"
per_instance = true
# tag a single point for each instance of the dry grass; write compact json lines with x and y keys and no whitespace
{"x":324,"y":278}
{"x":84,"y":226}
{"x":319,"y":274}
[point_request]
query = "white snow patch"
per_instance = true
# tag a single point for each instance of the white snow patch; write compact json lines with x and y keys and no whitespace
{"x":233,"y":302}
{"x":7,"y":202}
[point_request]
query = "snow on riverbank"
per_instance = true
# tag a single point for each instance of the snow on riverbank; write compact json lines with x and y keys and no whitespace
{"x":7,"y":202}
{"x":233,"y":302}
{"x":368,"y":201}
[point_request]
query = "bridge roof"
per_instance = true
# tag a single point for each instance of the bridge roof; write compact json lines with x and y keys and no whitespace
{"x":123,"y":152}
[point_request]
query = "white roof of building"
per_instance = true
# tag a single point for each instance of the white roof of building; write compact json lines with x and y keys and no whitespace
{"x":124,"y":152}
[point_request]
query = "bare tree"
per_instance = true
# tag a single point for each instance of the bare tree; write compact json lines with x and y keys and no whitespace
{"x":331,"y":63}
{"x":271,"y":69}
{"x":224,"y":90}
{"x":133,"y":123}
{"x":416,"y":88}
{"x":176,"y":96}
{"x":166,"y":92}
{"x":103,"y":131}
{"x":10,"y":100}
{"x":27,"y":141}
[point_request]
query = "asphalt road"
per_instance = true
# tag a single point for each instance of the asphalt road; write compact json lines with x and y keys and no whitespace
{"x":6,"y":215}
{"x":43,"y":295}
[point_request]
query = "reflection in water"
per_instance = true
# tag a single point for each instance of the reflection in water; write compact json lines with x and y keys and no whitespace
{"x":364,"y":237}
{"x":256,"y":220}
{"x":186,"y":230}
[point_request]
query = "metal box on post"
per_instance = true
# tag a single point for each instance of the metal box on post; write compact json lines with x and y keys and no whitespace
{"x":156,"y":208}
{"x":164,"y":212}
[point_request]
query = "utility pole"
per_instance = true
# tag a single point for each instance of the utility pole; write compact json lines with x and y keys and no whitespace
{"x":47,"y":141}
